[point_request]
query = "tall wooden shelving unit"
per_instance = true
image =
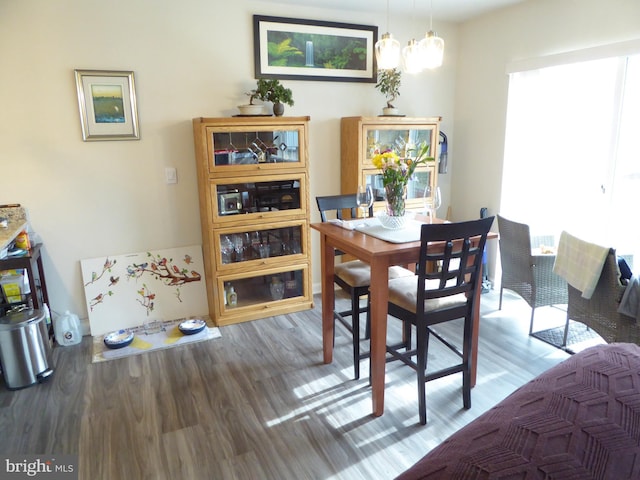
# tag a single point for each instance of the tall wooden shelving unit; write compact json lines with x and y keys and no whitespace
{"x":361,"y":136}
{"x":253,"y":182}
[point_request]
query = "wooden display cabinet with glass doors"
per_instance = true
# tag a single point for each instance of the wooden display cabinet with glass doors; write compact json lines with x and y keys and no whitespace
{"x":253,"y":184}
{"x":361,"y":137}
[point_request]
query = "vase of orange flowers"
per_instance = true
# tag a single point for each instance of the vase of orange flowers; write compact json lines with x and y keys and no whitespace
{"x":396,"y":172}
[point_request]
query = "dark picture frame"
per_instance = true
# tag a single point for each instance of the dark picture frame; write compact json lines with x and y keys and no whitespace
{"x":297,"y":49}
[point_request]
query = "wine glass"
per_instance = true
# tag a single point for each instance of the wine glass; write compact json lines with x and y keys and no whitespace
{"x":437,"y":200}
{"x":238,"y":246}
{"x":364,"y":199}
{"x":432,"y":199}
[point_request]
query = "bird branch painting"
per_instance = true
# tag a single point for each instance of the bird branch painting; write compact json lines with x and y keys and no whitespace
{"x":113,"y":304}
{"x":165,"y":270}
{"x":146,"y":298}
{"x":108,"y":265}
{"x":98,"y":299}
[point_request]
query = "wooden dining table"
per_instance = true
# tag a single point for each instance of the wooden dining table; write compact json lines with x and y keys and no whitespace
{"x":380,"y":255}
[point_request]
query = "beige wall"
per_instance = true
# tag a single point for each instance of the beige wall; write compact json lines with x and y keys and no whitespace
{"x":191,"y":58}
{"x":195,"y":58}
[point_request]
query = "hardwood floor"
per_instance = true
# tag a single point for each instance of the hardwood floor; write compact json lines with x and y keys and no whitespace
{"x":258,"y":403}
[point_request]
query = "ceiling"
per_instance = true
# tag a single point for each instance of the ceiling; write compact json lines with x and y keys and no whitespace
{"x":446,"y":10}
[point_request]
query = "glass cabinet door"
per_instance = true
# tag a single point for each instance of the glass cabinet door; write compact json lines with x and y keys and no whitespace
{"x":402,"y":139}
{"x":259,"y":244}
{"x":422,"y":177}
{"x":261,"y":288}
{"x":253,"y":148}
{"x":258,"y":197}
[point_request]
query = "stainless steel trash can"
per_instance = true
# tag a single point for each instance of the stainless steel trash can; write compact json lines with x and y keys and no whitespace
{"x":24,"y":349}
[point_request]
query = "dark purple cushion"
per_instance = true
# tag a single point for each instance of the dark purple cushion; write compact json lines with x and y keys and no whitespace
{"x":578,"y":420}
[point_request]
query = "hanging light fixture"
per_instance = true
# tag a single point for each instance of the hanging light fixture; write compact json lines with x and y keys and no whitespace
{"x":432,"y":46}
{"x":412,"y":55}
{"x":387,"y":49}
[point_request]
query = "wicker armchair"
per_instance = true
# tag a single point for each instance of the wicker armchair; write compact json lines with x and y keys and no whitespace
{"x":600,"y":312}
{"x":530,"y":276}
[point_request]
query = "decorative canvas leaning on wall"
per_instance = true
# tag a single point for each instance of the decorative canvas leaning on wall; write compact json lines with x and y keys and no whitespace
{"x":129,"y":290}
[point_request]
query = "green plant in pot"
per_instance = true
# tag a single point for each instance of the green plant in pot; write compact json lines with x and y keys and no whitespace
{"x":279,"y":96}
{"x":389,"y":85}
{"x":269,"y":90}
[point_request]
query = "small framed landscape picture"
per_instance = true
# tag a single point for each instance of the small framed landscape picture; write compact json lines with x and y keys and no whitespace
{"x":107,"y":102}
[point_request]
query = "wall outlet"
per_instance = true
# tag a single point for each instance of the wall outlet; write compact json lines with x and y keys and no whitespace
{"x":170,"y":175}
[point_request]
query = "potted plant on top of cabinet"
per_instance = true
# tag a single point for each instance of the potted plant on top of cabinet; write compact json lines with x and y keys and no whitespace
{"x":279,"y":96}
{"x":258,"y":93}
{"x":389,"y":85}
{"x":268,"y":91}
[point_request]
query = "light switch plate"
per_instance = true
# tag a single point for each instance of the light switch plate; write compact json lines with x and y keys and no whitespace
{"x":170,"y":175}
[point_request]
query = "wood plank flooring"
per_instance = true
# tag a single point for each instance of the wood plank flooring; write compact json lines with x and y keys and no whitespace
{"x":258,"y":403}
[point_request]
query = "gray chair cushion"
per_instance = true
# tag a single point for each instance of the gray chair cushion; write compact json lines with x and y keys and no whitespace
{"x":358,"y":274}
{"x":403,"y":292}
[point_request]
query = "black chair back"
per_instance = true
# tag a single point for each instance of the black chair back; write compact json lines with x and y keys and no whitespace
{"x":459,"y":263}
{"x":339,"y":204}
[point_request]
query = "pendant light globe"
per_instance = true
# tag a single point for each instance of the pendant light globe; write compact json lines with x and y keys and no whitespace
{"x":432,"y":50}
{"x":387,"y":52}
{"x":413,"y":57}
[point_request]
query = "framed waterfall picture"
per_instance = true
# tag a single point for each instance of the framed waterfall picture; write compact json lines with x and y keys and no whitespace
{"x":107,"y":102}
{"x":296,"y":49}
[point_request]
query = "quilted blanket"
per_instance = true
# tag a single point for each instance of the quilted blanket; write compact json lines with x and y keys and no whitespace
{"x":578,"y":420}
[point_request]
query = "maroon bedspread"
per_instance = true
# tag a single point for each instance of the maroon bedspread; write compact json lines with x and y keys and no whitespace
{"x":578,"y":420}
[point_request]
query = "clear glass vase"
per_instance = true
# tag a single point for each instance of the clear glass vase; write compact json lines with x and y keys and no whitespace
{"x":394,"y":217}
{"x":396,"y":197}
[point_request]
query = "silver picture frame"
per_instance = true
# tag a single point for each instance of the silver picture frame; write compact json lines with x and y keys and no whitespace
{"x":107,"y":104}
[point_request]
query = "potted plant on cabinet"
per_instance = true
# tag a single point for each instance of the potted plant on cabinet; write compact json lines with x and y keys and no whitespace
{"x":279,"y":96}
{"x":258,"y":93}
{"x":389,"y":85}
{"x":269,"y":91}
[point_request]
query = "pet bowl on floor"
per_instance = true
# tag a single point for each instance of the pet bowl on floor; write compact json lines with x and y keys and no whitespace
{"x":119,"y":339}
{"x":192,"y":326}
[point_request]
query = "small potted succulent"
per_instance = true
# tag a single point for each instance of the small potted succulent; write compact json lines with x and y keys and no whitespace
{"x":389,"y":85}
